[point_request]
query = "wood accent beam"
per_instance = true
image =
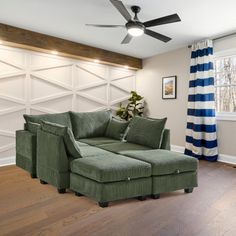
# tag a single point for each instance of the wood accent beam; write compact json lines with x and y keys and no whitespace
{"x":22,"y":38}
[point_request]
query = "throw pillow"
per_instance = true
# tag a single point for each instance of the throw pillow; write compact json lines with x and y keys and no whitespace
{"x":90,"y":124}
{"x":116,"y":128}
{"x":147,"y":132}
{"x":71,"y":145}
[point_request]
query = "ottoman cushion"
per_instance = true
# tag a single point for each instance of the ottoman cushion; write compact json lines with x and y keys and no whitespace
{"x":110,"y":168}
{"x":165,"y":162}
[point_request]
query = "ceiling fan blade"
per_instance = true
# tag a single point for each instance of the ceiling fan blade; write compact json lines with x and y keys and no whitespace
{"x":127,"y":39}
{"x":106,"y":26}
{"x":163,"y":20}
{"x":121,"y":8}
{"x":157,"y":36}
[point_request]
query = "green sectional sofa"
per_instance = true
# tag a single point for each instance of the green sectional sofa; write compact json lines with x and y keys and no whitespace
{"x":99,"y":156}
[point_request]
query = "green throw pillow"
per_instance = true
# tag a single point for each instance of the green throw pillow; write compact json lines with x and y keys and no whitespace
{"x":90,"y":124}
{"x":116,"y":128}
{"x":32,"y":127}
{"x":71,"y":145}
{"x":147,"y":132}
{"x":58,"y":118}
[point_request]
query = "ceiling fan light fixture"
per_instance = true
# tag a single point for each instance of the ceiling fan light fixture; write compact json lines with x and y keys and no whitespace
{"x":135,"y":29}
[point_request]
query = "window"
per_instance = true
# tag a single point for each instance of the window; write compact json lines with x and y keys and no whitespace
{"x":225,"y":85}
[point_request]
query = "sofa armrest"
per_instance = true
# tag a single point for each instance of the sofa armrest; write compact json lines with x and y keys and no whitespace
{"x":165,"y":144}
{"x":26,"y":150}
{"x":52,"y":160}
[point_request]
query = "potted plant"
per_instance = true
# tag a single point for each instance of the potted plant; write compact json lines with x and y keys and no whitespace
{"x":135,"y":107}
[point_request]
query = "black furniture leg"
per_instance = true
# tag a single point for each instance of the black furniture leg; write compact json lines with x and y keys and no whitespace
{"x":155,"y":196}
{"x":188,"y":190}
{"x":78,"y":194}
{"x":103,"y":204}
{"x":142,"y":198}
{"x":42,"y":182}
{"x":33,"y":176}
{"x":61,"y":190}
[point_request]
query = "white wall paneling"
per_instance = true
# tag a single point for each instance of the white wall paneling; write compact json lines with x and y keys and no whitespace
{"x":37,"y":83}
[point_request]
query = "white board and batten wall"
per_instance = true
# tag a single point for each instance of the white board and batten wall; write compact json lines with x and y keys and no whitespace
{"x":38,"y":83}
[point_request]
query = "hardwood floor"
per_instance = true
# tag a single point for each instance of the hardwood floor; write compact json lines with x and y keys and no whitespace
{"x":29,"y":208}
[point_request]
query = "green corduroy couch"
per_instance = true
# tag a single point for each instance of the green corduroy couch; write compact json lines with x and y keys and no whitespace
{"x":101,"y":157}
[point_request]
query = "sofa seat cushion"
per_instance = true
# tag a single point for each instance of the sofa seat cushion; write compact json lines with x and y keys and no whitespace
{"x":98,"y":141}
{"x":81,"y":144}
{"x":110,"y":168}
{"x":58,"y":118}
{"x":165,"y":162}
{"x":120,"y":147}
{"x":87,"y":151}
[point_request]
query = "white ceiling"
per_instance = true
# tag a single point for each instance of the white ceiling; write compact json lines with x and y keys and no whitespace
{"x":67,"y":19}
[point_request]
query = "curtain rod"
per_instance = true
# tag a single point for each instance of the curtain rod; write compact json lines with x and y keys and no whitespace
{"x":220,"y":37}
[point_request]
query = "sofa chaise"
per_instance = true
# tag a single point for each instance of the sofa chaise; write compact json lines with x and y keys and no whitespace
{"x":96,"y":155}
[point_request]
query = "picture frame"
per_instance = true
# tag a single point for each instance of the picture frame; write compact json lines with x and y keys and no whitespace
{"x":169,"y":87}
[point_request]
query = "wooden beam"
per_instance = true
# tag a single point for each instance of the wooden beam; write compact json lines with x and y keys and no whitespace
{"x":27,"y":39}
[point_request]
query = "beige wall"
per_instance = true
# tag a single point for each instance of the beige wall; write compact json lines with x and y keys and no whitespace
{"x":149,"y":84}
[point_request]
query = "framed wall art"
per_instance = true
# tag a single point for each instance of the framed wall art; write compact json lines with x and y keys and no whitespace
{"x":169,"y":87}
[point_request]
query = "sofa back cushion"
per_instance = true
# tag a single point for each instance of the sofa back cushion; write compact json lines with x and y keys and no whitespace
{"x":32,"y":127}
{"x":146,"y":131}
{"x":116,"y":128}
{"x":57,"y":118}
{"x":89,"y":124}
{"x":71,"y":145}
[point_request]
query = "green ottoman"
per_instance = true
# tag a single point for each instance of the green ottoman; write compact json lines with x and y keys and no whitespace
{"x":110,"y":177}
{"x":170,"y":170}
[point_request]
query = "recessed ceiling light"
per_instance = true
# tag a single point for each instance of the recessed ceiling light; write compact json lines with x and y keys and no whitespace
{"x":126,"y":67}
{"x":96,"y":60}
{"x":54,"y":52}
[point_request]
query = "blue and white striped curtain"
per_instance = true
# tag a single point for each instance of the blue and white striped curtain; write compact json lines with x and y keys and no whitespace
{"x":201,"y":138}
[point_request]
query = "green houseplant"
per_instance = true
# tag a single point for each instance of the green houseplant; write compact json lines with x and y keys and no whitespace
{"x":135,"y":107}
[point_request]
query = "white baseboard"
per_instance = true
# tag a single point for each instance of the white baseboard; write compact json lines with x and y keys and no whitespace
{"x":176,"y":148}
{"x":227,"y":159}
{"x":6,"y":161}
{"x":222,"y":157}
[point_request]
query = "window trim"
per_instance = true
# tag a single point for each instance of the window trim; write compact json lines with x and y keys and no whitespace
{"x":225,"y":53}
{"x":225,"y":116}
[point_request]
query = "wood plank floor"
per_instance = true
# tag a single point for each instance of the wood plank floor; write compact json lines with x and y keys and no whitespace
{"x":29,"y":208}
